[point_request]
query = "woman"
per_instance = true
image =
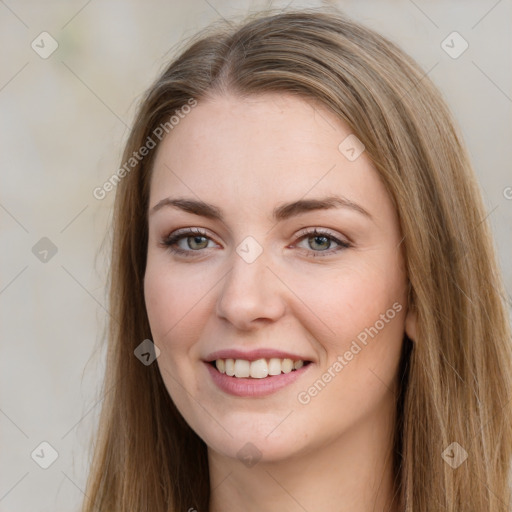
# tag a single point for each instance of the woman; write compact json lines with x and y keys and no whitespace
{"x":307,"y":310}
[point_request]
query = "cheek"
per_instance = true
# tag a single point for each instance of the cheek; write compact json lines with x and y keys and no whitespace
{"x":174,"y":305}
{"x":172,"y":297}
{"x":353,"y":298}
{"x":370,"y":331}
{"x":360,"y":361}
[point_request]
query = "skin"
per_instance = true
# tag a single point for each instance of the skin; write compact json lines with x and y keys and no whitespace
{"x":247,"y":156}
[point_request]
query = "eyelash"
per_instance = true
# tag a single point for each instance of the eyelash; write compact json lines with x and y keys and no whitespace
{"x":171,"y":240}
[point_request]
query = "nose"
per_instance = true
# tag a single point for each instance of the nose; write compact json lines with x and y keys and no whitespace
{"x":251,"y":294}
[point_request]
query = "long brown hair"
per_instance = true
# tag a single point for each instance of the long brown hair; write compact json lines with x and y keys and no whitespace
{"x":456,"y":379}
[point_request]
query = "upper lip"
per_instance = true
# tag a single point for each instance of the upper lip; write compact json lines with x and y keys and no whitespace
{"x":253,"y":355}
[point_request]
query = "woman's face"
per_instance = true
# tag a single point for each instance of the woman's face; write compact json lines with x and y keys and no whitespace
{"x":256,"y":290}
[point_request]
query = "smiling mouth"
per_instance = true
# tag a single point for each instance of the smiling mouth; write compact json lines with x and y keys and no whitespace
{"x":258,"y":369}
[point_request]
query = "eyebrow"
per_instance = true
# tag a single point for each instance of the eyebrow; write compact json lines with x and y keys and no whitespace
{"x":280,"y":213}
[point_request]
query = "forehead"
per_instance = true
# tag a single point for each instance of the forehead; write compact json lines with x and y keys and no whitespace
{"x":260,"y":150}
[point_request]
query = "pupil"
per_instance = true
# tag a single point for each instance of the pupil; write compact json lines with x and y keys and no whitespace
{"x":325,"y":239}
{"x":197,"y":240}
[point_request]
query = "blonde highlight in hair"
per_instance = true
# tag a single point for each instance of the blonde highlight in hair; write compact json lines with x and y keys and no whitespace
{"x":455,"y":377}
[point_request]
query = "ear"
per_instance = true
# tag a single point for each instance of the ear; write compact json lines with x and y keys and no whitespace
{"x":410,"y":324}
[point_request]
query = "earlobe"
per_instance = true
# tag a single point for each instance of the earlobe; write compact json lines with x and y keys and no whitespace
{"x":410,"y":324}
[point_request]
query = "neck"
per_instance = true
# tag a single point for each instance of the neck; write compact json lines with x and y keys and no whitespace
{"x":352,"y":473}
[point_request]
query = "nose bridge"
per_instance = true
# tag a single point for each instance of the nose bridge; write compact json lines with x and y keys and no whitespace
{"x":250,"y":290}
{"x":248,"y":269}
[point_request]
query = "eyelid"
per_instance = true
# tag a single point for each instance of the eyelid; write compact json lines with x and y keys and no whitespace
{"x":189,"y":231}
{"x":170,"y":240}
{"x":311,"y":231}
{"x":323,"y":232}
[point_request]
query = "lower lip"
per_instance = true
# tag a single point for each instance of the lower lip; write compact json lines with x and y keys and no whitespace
{"x":254,"y":387}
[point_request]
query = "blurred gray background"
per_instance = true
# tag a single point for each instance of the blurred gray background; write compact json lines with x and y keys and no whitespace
{"x":71,"y":75}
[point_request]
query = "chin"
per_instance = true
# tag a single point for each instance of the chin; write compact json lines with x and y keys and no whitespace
{"x":255,"y":448}
{"x":254,"y":437}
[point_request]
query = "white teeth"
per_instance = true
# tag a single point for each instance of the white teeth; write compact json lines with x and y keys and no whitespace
{"x":221,"y":365}
{"x":230,"y":367}
{"x":298,"y":364}
{"x":286,"y":365}
{"x":274,"y":366}
{"x":242,"y":368}
{"x":259,"y":369}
